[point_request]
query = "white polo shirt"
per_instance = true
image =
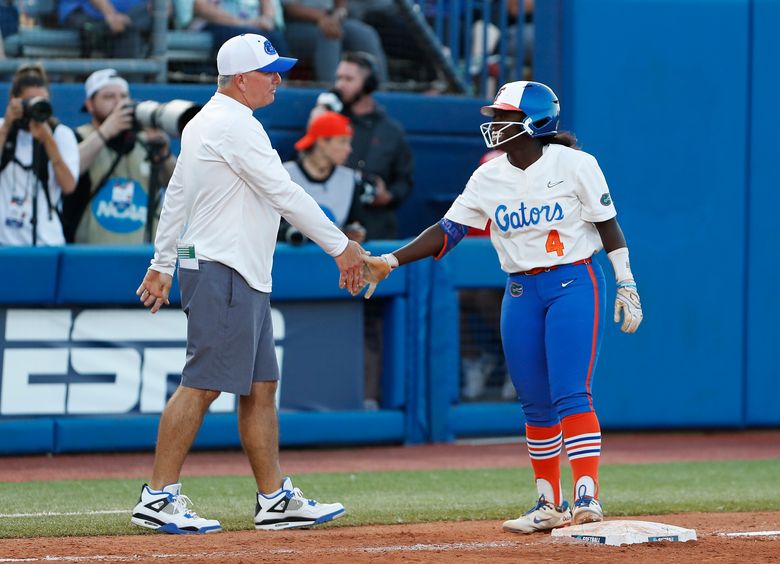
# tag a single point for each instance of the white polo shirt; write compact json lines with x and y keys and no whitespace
{"x":542,"y":216}
{"x":227,"y":193}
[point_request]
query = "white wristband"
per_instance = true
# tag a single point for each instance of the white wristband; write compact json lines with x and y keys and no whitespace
{"x":621,"y":264}
{"x":391,"y":260}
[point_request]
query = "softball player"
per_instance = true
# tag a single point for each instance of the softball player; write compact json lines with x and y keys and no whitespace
{"x":551,"y":211}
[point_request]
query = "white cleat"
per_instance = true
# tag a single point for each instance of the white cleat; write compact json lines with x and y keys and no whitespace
{"x":587,"y":510}
{"x":169,"y":511}
{"x":544,"y":516}
{"x":289,"y":509}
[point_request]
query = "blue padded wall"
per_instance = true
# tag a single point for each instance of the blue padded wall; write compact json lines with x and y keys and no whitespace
{"x":654,"y":90}
{"x":763,"y":301}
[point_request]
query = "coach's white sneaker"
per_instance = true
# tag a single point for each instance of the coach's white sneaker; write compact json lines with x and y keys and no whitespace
{"x":543,"y":516}
{"x":289,"y":509}
{"x":587,"y":510}
{"x":168,"y":511}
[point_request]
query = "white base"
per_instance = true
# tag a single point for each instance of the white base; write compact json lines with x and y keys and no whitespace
{"x":615,"y":533}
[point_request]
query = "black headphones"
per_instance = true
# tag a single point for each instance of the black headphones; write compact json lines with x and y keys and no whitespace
{"x":368,"y":62}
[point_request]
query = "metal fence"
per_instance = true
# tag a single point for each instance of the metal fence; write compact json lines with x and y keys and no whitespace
{"x":459,"y":46}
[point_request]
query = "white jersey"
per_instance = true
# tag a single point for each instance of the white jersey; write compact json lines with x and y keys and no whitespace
{"x":542,"y":216}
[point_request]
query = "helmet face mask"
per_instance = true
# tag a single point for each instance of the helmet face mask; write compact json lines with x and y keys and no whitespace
{"x":537,"y":101}
{"x":495,"y":132}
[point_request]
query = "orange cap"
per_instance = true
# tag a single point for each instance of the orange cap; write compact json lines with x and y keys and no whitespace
{"x":328,"y":124}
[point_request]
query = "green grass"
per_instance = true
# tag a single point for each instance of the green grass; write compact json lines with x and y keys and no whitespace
{"x":401,"y":497}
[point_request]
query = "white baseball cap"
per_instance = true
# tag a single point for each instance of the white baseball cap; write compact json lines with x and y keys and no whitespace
{"x":250,"y":52}
{"x":101,"y":79}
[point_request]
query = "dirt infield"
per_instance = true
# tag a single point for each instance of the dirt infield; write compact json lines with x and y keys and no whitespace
{"x":474,"y":541}
{"x":471,"y":541}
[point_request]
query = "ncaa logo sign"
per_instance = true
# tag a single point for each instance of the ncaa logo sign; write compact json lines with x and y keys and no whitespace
{"x":120,"y":205}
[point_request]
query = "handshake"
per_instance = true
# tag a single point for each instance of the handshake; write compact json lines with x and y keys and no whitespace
{"x":375,"y":269}
{"x":359,"y":270}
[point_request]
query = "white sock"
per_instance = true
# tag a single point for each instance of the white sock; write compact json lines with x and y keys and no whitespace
{"x":271,"y":495}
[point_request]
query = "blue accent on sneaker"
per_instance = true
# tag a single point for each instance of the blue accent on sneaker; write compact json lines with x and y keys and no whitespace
{"x":171,"y":528}
{"x":584,"y":501}
{"x":329,"y":516}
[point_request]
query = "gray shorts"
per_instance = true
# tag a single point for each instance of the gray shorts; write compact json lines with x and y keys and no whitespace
{"x":230,"y":340}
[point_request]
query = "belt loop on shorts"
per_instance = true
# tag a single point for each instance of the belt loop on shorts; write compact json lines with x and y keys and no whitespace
{"x":540,"y":269}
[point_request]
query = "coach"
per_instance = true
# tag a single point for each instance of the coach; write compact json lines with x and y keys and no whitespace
{"x":220,"y":217}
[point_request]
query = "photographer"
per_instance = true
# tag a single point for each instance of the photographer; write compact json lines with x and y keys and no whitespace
{"x":39,"y":163}
{"x":110,"y":204}
{"x":319,"y":170}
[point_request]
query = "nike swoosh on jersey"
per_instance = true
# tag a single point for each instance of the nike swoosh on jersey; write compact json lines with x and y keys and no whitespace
{"x":554,"y":184}
{"x":564,"y":284}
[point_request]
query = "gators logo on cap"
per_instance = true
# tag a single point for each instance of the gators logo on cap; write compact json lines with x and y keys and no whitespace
{"x":269,"y":48}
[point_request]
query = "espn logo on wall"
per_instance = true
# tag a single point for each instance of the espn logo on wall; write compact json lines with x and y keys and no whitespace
{"x":97,"y":361}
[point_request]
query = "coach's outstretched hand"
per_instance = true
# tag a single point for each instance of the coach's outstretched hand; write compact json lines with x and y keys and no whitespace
{"x":153,"y":291}
{"x":350,"y":263}
{"x":627,"y":301}
{"x":375,"y":269}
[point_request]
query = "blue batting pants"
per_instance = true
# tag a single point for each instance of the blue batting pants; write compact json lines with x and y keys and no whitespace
{"x":551,"y":328}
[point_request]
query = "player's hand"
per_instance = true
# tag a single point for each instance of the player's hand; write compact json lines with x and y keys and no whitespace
{"x":375,"y":269}
{"x":153,"y":291}
{"x":627,"y":301}
{"x":350,"y":263}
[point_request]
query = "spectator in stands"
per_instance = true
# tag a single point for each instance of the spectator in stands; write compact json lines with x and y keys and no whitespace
{"x":318,"y":30}
{"x":514,"y":28}
{"x":380,"y":150}
{"x":224,"y":19}
{"x":9,"y":23}
{"x":116,"y":29}
{"x":111,"y":202}
{"x":399,"y":41}
{"x":319,"y":170}
{"x":39,"y":163}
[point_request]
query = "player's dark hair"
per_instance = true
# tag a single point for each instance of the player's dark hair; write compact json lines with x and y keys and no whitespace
{"x":28,"y":76}
{"x":565,"y":138}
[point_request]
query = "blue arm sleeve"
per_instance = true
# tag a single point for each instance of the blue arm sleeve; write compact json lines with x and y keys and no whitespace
{"x":453,"y":233}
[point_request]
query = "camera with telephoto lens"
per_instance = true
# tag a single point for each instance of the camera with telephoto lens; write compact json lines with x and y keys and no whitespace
{"x":171,"y":116}
{"x":37,"y":108}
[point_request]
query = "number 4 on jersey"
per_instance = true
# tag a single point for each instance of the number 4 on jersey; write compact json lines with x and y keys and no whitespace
{"x":554,"y":244}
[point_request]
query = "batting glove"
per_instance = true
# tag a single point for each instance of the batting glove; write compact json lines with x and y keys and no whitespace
{"x":376,"y":269}
{"x":627,"y":301}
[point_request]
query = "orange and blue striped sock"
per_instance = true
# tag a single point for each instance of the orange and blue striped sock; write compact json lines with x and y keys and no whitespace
{"x":582,"y":438}
{"x":544,"y":448}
